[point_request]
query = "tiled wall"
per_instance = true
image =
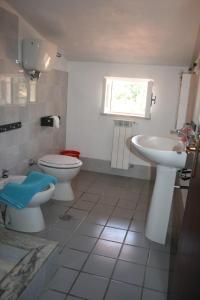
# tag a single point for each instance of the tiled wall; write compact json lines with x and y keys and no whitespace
{"x":32,"y":140}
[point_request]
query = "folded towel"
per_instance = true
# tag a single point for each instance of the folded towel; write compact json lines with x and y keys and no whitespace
{"x":19,"y":195}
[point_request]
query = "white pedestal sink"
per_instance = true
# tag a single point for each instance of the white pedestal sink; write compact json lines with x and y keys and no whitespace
{"x":169,"y":155}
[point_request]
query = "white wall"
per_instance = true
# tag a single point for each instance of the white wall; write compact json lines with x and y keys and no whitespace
{"x":92,"y":133}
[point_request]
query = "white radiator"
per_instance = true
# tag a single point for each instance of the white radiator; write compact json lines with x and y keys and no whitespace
{"x":121,"y":144}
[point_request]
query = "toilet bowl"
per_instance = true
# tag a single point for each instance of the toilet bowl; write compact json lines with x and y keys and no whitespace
{"x":65,"y":168}
{"x":29,"y":219}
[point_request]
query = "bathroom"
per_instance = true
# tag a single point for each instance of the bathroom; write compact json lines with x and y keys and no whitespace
{"x":118,"y":234}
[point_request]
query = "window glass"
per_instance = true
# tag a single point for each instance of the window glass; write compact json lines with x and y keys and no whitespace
{"x":128,"y":96}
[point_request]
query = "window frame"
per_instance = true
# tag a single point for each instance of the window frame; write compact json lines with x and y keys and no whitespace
{"x":107,"y":102}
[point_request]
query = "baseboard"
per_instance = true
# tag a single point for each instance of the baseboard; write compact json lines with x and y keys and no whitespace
{"x":103,"y":166}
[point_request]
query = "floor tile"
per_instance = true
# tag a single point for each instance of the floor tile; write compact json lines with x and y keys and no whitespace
{"x":145,"y":197}
{"x":153,"y":295}
{"x":63,"y":280}
{"x":129,"y":272}
{"x":99,"y":265}
{"x":130,"y":194}
{"x":140,"y":215}
{"x":107,"y":248}
{"x":72,"y":298}
{"x":77,"y":213}
{"x":77,"y":194}
{"x":109,"y":200}
{"x":84,"y":205}
{"x":52,"y":295}
{"x":156,"y":279}
{"x":60,"y":235}
{"x":90,"y":287}
{"x":68,"y":223}
{"x":158,"y":259}
{"x":128,"y":204}
{"x":123,"y":291}
{"x":134,"y":254}
{"x":142,"y":206}
{"x":96,"y":189}
{"x":80,"y":188}
{"x":52,"y":212}
{"x":69,"y":204}
{"x":90,"y":197}
{"x":102,"y":208}
{"x":159,"y":247}
{"x":137,"y":226}
{"x":137,"y":239}
{"x":121,"y":223}
{"x":82,"y":243}
{"x":120,"y":204}
{"x":113,"y":234}
{"x":123,"y":213}
{"x":112,"y":190}
{"x":90,"y":229}
{"x":98,"y":218}
{"x":72,"y":258}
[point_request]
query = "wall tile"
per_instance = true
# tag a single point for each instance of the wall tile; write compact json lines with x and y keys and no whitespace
{"x":32,"y":140}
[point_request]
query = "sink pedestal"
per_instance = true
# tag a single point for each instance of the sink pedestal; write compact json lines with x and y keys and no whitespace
{"x":169,"y":155}
{"x":160,"y":206}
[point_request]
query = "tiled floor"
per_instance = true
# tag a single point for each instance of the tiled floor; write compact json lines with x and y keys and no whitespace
{"x":103,"y":253}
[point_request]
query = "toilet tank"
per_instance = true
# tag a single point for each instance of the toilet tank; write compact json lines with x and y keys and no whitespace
{"x":38,"y":55}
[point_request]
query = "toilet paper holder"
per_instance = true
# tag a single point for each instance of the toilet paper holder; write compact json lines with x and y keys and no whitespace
{"x":48,"y":121}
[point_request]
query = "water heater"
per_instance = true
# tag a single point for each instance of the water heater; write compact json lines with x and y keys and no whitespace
{"x":37,"y":56}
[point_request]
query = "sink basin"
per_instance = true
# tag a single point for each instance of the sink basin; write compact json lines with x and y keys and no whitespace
{"x":169,"y":155}
{"x":161,"y":150}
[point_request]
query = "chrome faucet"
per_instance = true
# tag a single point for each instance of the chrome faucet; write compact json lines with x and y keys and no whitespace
{"x":187,"y":134}
{"x":179,"y":132}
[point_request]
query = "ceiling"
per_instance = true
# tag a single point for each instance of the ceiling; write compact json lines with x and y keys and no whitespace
{"x":124,"y":31}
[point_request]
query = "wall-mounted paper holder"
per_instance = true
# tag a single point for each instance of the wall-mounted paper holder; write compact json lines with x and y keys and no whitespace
{"x":47,"y":121}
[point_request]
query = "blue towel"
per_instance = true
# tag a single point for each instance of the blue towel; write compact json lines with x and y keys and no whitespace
{"x":19,"y":195}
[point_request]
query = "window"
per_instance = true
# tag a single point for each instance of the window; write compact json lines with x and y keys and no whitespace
{"x":128,"y":96}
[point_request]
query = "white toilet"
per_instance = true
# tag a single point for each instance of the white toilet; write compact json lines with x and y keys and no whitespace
{"x":29,"y":219}
{"x":65,"y":168}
